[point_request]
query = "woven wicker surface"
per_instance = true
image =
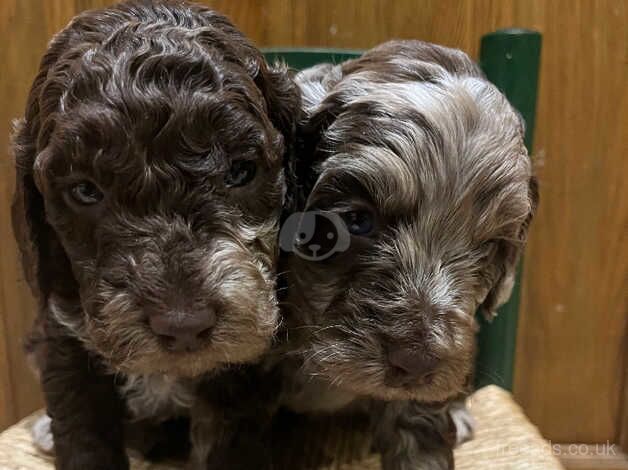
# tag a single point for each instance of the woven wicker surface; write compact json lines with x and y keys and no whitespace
{"x":504,"y":440}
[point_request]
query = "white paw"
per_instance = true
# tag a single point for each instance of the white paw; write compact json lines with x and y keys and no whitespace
{"x":42,"y":434}
{"x":463,"y":422}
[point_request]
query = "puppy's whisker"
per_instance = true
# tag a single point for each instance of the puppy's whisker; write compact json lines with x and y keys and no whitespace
{"x":319,"y":352}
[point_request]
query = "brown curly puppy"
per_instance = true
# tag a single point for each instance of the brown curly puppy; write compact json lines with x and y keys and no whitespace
{"x":150,"y":176}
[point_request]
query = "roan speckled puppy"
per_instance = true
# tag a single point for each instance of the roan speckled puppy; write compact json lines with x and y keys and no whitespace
{"x":150,"y":179}
{"x":417,"y":197}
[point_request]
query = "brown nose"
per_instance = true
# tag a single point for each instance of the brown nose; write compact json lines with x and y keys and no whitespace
{"x":411,"y":366}
{"x":183,"y":331}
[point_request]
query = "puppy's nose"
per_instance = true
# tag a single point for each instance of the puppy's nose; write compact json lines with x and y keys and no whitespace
{"x":411,"y":365}
{"x":183,"y":331}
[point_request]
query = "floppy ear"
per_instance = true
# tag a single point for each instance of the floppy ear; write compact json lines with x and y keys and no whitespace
{"x":26,"y":210}
{"x":507,"y":259}
{"x":44,"y":261}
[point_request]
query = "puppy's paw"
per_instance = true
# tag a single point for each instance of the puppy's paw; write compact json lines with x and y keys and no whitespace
{"x":42,"y":434}
{"x":464,"y":423}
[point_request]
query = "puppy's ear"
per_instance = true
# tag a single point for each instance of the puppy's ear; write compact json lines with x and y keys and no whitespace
{"x":44,"y":261}
{"x":507,"y":259}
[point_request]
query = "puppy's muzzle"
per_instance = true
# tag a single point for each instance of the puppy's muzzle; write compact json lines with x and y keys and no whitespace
{"x":183,"y":331}
{"x":410,"y":367}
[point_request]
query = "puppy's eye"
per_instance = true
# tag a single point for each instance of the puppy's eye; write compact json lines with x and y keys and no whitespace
{"x":240,"y":173}
{"x":358,"y":222}
{"x":490,"y":246}
{"x":85,"y":193}
{"x":488,"y":249}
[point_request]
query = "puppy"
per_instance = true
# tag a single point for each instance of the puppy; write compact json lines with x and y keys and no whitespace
{"x":150,"y":177}
{"x":416,"y":196}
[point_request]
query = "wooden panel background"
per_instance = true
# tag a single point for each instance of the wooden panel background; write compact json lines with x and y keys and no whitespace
{"x":571,"y":348}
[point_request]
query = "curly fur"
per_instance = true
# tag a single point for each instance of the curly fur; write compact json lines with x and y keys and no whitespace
{"x":152,"y":101}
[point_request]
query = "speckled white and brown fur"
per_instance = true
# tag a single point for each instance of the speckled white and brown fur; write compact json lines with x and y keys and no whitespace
{"x":414,"y":133}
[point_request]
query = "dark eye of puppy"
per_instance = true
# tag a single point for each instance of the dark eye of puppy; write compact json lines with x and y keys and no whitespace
{"x":359,"y":222}
{"x":85,"y":193}
{"x":489,"y":247}
{"x":240,"y":173}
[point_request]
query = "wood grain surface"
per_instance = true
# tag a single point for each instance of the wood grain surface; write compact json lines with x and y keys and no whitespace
{"x":571,"y":358}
